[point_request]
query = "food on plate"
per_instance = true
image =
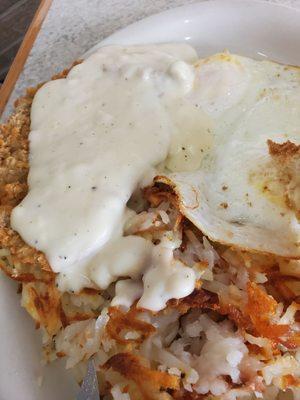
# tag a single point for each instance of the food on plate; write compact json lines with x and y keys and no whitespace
{"x":150,"y":206}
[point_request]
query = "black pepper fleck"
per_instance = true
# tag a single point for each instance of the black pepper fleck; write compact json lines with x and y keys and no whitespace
{"x":94,"y":188}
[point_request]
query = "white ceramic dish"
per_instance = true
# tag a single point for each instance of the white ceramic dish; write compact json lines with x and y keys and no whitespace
{"x":248,"y":27}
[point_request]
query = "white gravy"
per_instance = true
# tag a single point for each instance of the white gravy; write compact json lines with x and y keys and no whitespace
{"x":127,"y":292}
{"x":166,"y":279}
{"x":94,"y":136}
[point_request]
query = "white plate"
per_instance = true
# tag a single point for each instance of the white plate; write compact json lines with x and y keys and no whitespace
{"x":247,"y":27}
{"x":251,"y":28}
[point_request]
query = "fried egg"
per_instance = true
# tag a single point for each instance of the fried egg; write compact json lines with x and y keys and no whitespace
{"x":228,"y":182}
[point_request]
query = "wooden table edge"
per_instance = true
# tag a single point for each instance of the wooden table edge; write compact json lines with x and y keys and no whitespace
{"x":23,"y":52}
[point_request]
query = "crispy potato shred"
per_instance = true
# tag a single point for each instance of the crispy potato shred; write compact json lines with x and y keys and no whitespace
{"x":42,"y":301}
{"x":286,"y":157}
{"x":119,"y":323}
{"x":199,"y":298}
{"x":261,"y":308}
{"x":257,"y":314}
{"x":150,"y":383}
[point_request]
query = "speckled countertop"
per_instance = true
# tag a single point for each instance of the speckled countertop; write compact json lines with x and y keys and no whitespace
{"x":73,"y":26}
